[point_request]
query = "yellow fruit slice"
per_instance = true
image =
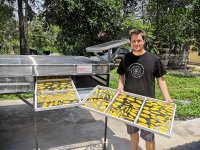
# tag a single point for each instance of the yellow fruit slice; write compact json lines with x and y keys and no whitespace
{"x":130,"y":98}
{"x":143,"y":124}
{"x":155,"y":109}
{"x":161,"y":118}
{"x":132,"y":113}
{"x":146,"y":112}
{"x":142,"y":120}
{"x":145,"y":115}
{"x":56,"y":103}
{"x":135,"y":105}
{"x":45,"y":105}
{"x":139,"y":101}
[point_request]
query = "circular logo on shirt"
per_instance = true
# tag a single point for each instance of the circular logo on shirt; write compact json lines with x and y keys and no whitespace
{"x":137,"y":70}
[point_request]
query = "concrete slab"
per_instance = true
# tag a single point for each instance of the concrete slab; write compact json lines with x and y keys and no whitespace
{"x":79,"y":129}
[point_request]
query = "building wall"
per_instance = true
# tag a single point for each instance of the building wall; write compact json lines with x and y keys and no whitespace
{"x":194,"y":58}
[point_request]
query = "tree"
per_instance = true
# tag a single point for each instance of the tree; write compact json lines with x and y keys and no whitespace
{"x":41,"y":35}
{"x":83,"y":23}
{"x":86,"y":23}
{"x":195,"y":16}
{"x":8,"y":29}
{"x":170,"y":20}
{"x":24,"y":17}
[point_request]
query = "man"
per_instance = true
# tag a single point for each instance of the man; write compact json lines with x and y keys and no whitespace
{"x":139,"y":69}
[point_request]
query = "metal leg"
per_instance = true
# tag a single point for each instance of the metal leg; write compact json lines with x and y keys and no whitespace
{"x":35,"y":131}
{"x":108,"y":80}
{"x":105,"y":134}
{"x":106,"y":119}
{"x":35,"y":115}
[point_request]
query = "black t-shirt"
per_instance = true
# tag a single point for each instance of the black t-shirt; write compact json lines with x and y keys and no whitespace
{"x":140,"y":73}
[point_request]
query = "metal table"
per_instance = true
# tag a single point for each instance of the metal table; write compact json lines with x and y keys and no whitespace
{"x":21,"y":74}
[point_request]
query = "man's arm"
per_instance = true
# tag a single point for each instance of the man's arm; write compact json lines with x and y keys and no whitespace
{"x":163,"y":87}
{"x":121,"y":83}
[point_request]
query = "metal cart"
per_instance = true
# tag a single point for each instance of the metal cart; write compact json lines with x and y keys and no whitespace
{"x":23,"y":74}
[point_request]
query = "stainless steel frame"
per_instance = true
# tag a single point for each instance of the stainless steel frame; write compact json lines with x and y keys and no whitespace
{"x":138,"y":114}
{"x":19,"y":75}
{"x":50,"y":66}
{"x":59,"y":106}
{"x":108,"y":46}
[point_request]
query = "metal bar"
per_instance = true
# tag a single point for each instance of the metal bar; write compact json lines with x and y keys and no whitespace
{"x":60,"y":79}
{"x":111,"y":102}
{"x":101,"y":78}
{"x":109,"y":55}
{"x":14,"y":84}
{"x":35,"y":115}
{"x":172,"y":123}
{"x":97,"y":80}
{"x":35,"y":130}
{"x":108,"y":80}
{"x":105,"y":134}
{"x":57,"y":91}
{"x":76,"y":92}
{"x":64,"y":64}
{"x":106,"y":118}
{"x":57,"y":107}
{"x":107,"y":45}
{"x":138,"y":114}
{"x":24,"y":100}
{"x":83,"y":89}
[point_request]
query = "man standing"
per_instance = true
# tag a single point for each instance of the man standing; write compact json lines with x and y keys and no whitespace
{"x":139,"y":69}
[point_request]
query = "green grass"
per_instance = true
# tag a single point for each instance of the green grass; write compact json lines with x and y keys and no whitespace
{"x":14,"y":97}
{"x":182,"y":89}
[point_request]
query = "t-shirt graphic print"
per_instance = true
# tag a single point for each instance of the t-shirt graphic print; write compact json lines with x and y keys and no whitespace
{"x":137,"y":70}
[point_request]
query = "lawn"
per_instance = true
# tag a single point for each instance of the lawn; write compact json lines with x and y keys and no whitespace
{"x":184,"y":90}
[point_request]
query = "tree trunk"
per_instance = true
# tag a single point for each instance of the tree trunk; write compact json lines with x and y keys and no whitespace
{"x":22,"y":29}
{"x":26,"y":27}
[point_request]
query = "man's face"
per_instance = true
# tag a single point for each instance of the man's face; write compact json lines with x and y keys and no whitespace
{"x":137,"y":43}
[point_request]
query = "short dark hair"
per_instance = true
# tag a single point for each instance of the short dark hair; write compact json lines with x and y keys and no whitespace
{"x":137,"y":32}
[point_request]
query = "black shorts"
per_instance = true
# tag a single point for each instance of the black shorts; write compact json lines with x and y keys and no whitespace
{"x":146,"y":135}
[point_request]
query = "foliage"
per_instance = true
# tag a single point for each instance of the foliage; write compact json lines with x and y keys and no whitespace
{"x":83,"y":23}
{"x":181,"y":89}
{"x":42,"y":36}
{"x":195,"y":16}
{"x":171,"y":20}
{"x":86,"y":23}
{"x":8,"y":30}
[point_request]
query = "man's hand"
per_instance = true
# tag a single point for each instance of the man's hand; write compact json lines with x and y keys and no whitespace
{"x":168,"y":101}
{"x":120,"y":89}
{"x":121,"y":83}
